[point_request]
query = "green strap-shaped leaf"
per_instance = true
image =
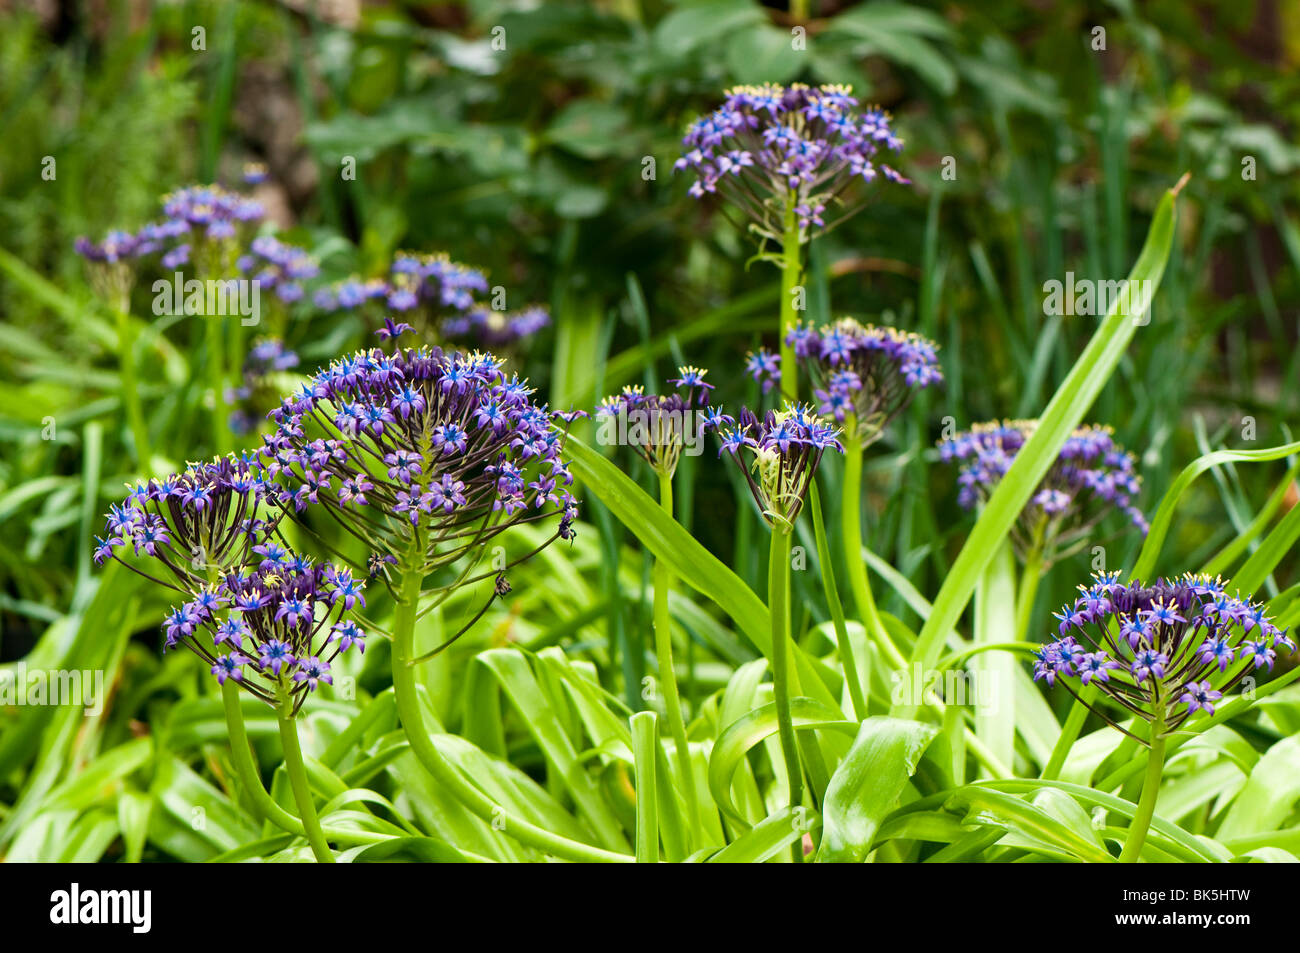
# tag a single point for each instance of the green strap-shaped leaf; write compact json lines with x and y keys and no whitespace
{"x":986,"y":806}
{"x":1062,"y":415}
{"x":766,"y":839}
{"x":751,"y":729}
{"x":1270,"y":795}
{"x":867,"y":784}
{"x":665,"y":538}
{"x":1146,"y":562}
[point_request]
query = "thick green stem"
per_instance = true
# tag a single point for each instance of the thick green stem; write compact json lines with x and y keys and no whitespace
{"x":297,"y":771}
{"x":790,"y":279}
{"x":1029,"y":577}
{"x":778,"y":584}
{"x":247,"y":772}
{"x":427,"y":753}
{"x":851,"y":530}
{"x":856,"y":693}
{"x":667,"y":672}
{"x":1146,"y":810}
{"x":130,"y":386}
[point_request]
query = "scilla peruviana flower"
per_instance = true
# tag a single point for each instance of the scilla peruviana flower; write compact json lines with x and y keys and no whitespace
{"x":775,"y":153}
{"x":274,"y":627}
{"x":1161,"y":652}
{"x":191,"y":525}
{"x":783,"y":450}
{"x":659,"y":426}
{"x":422,"y":455}
{"x":868,"y":371}
{"x":1092,"y":477}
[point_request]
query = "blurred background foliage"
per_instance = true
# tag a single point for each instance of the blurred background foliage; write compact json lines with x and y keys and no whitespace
{"x":536,"y":140}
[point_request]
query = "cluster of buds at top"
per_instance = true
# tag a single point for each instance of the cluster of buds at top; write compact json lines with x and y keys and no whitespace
{"x":1091,"y":477}
{"x":424,"y":456}
{"x":868,"y":371}
{"x":1161,"y":652}
{"x":776,"y":152}
{"x":658,"y":427}
{"x":784,"y":450}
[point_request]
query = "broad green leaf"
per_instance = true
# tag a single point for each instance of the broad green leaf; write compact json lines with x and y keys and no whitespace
{"x":751,"y":729}
{"x":766,"y":839}
{"x":1270,"y":794}
{"x":1033,"y":825}
{"x":867,"y":785}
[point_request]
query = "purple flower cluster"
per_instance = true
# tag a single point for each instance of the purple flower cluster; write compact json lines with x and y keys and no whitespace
{"x":784,"y":450}
{"x":274,"y":627}
{"x":117,"y":246}
{"x":868,"y":371}
{"x":1163,"y":651}
{"x":435,"y":296}
{"x":1091,"y":477}
{"x":192,"y":216}
{"x":496,"y":329}
{"x":254,"y":610}
{"x":278,"y":265}
{"x":773,"y":149}
{"x":267,"y":356}
{"x":659,"y":426}
{"x":205,"y":520}
{"x":434,"y":280}
{"x":420,"y":450}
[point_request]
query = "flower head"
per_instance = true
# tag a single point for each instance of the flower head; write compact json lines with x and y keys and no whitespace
{"x":441,"y":451}
{"x":659,"y":427}
{"x":771,"y":149}
{"x":1161,"y":652}
{"x":280,"y":624}
{"x":1091,"y":478}
{"x":211,"y":516}
{"x":784,"y":450}
{"x":867,"y":371}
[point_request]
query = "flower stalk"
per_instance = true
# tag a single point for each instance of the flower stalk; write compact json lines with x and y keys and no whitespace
{"x":265,"y":806}
{"x":1137,"y":832}
{"x":851,"y":531}
{"x":667,"y":671}
{"x":791,"y":275}
{"x":296,"y":769}
{"x":778,"y":585}
{"x":426,"y":752}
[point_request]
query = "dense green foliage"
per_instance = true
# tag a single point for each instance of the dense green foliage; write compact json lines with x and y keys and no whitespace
{"x":549,"y":164}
